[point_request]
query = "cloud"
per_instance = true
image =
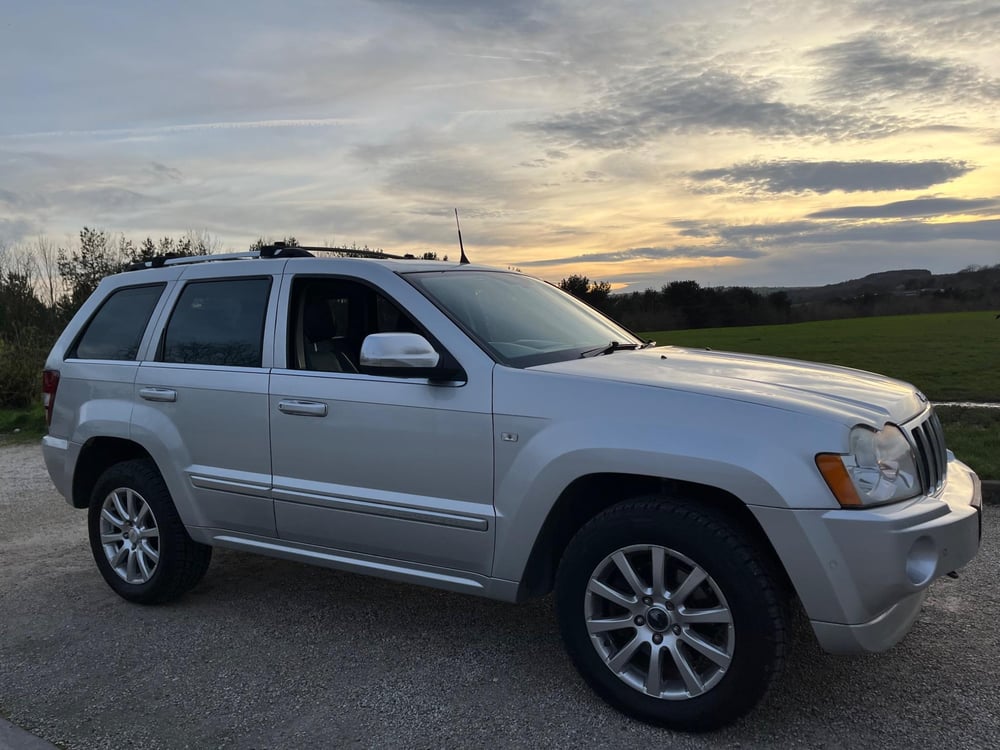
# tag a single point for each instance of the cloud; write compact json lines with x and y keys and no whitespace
{"x":16,"y":230}
{"x":401,"y":147}
{"x":451,"y":178}
{"x":521,"y":15}
{"x":963,"y":24}
{"x":161,"y":172}
{"x":100,"y":200}
{"x":916,"y":207}
{"x":870,"y":66}
{"x":650,"y":253}
{"x":12,"y":199}
{"x":653,"y":102}
{"x":823,"y":264}
{"x":804,"y":233}
{"x":799,"y":176}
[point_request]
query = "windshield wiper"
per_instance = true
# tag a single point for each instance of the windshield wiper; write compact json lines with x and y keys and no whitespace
{"x":614,"y":346}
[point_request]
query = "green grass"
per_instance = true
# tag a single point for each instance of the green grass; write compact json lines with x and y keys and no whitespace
{"x":949,"y":356}
{"x":974,"y":436}
{"x":29,"y":423}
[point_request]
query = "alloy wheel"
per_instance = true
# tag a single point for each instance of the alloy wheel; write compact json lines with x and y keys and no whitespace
{"x":130,"y":537}
{"x":659,"y":622}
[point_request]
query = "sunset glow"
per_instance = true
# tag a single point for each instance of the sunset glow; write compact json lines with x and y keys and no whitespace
{"x":770,"y":142}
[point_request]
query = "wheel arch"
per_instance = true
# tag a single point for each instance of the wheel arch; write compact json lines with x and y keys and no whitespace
{"x":591,"y":494}
{"x":96,"y":456}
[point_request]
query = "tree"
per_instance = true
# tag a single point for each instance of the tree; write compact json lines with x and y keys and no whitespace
{"x":27,"y":328}
{"x":22,"y":313}
{"x":576,"y":285}
{"x":82,"y":270}
{"x":594,"y":293}
{"x":261,"y":243}
{"x":47,"y":256}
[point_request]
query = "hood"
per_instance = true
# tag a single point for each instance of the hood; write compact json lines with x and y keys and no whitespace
{"x":781,"y":383}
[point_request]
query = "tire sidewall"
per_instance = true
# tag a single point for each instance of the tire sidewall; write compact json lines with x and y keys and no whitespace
{"x":756,"y":642}
{"x":135,"y":476}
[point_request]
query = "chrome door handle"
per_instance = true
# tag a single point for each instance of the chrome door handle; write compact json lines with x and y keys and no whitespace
{"x":302,"y":408}
{"x":158,"y":394}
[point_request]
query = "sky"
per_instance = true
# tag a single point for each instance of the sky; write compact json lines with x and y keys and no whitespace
{"x":761,"y":142}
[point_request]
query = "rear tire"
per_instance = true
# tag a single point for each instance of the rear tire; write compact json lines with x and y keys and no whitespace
{"x":692,"y":647}
{"x":138,"y":541}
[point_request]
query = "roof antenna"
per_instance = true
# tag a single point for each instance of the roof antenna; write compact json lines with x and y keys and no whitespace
{"x":461,"y":247}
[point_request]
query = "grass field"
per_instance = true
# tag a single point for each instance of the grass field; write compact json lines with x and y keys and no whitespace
{"x":21,"y":424}
{"x":950,"y":357}
{"x":974,"y":436}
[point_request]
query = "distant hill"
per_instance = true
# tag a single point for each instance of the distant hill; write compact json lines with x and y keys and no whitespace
{"x":686,"y":304}
{"x":912,"y":282}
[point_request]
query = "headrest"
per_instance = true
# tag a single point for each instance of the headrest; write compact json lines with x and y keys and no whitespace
{"x":318,"y":321}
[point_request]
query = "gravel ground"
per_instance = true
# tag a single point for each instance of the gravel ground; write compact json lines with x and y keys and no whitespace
{"x":267,"y":653}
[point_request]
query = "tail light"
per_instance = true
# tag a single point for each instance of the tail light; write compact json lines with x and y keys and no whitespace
{"x":50,"y":382}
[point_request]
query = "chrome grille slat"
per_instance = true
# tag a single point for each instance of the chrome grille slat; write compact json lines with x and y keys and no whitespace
{"x":923,"y":465}
{"x":943,"y":450}
{"x":935,"y":448}
{"x":932,"y":456}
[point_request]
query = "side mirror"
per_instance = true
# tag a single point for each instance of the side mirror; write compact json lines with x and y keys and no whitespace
{"x":405,"y":355}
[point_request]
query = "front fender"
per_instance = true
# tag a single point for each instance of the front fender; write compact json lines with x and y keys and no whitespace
{"x":773,"y":469}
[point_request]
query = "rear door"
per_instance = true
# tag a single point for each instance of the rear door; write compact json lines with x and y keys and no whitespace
{"x":202,"y":395}
{"x":101,"y":361}
{"x":390,"y":467}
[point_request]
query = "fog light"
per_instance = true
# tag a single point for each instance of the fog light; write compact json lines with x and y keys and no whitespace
{"x":922,"y":561}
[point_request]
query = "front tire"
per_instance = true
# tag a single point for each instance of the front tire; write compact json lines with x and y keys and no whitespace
{"x":138,"y":541}
{"x":671,"y":613}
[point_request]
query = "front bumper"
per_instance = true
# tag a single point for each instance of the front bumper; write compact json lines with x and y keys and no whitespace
{"x":862,"y":575}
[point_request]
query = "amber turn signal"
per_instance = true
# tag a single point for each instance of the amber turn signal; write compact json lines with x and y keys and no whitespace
{"x":831,"y":466}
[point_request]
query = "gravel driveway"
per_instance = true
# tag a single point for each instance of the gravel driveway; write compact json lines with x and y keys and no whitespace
{"x":267,"y":653}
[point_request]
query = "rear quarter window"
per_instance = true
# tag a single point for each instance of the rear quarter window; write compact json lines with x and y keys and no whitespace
{"x":218,"y":323}
{"x":115,"y":330}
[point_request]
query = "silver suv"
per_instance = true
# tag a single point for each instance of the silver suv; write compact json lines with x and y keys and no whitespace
{"x":481,"y":431}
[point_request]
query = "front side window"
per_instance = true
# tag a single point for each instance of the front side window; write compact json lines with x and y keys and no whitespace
{"x":519,"y":320}
{"x":330,"y":318}
{"x":218,"y":323}
{"x":116,"y":329}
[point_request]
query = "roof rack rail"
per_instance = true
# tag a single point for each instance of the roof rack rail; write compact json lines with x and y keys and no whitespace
{"x":172,"y":259}
{"x":274,"y":250}
{"x":280,"y":249}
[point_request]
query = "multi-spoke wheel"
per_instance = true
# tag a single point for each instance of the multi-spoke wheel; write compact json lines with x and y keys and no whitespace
{"x":659,"y":621}
{"x":138,"y":540}
{"x":670,"y":613}
{"x":129,"y":536}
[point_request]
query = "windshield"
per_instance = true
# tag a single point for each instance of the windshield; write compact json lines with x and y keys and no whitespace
{"x":519,"y":320}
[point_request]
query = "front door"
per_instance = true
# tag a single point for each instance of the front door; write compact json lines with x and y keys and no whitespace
{"x":384,"y":467}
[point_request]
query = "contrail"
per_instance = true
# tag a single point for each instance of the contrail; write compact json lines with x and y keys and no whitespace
{"x":312,"y":122}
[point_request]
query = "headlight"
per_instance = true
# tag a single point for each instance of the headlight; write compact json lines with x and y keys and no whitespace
{"x":879,"y":469}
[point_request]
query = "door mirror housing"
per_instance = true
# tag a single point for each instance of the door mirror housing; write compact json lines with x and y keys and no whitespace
{"x":406,"y":355}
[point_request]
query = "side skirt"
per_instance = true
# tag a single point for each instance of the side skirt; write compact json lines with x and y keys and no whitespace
{"x":380,"y":567}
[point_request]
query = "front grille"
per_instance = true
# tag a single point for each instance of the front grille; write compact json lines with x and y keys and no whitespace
{"x":932,"y":460}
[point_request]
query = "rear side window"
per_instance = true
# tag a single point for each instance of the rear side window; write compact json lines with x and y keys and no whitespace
{"x":117,"y":327}
{"x":218,"y":323}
